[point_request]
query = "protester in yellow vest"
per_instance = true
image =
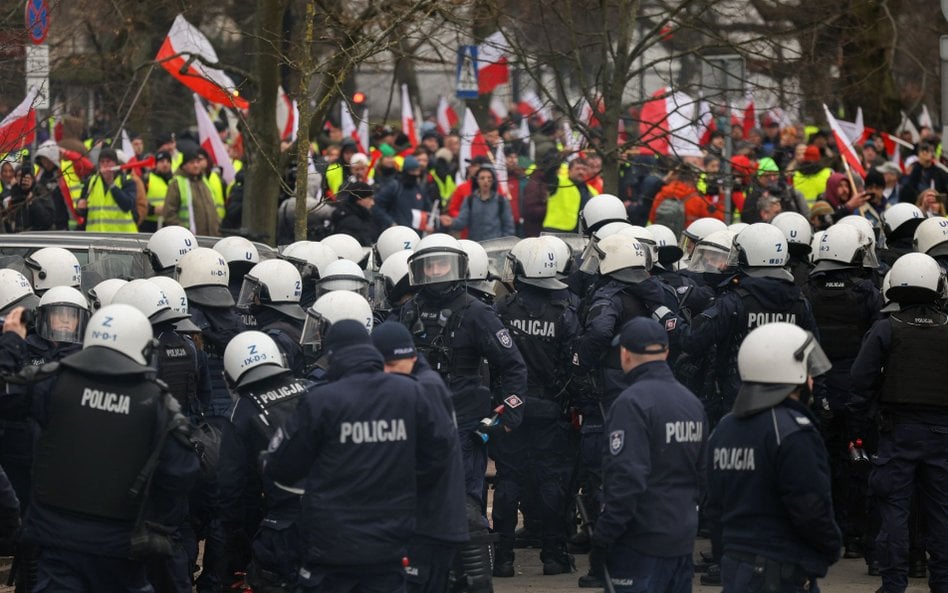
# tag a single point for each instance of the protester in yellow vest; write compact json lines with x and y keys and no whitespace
{"x":810,"y":178}
{"x":189,"y":202}
{"x":214,"y":181}
{"x":108,"y":198}
{"x":567,"y":198}
{"x":157,"y":190}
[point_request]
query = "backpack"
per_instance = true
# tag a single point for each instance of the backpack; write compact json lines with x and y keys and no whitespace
{"x":671,"y":213}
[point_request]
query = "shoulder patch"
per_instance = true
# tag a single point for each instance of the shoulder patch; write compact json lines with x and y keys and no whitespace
{"x":802,"y":420}
{"x":616,"y":441}
{"x":503,"y":336}
{"x":671,"y":324}
{"x":513,"y":401}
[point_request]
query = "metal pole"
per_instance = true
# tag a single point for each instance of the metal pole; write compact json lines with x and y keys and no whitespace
{"x":726,"y":165}
{"x":138,"y":94}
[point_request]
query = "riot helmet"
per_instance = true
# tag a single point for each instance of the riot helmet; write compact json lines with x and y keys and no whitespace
{"x":666,"y":245}
{"x":328,"y":309}
{"x":178,"y":300}
{"x":762,"y":252}
{"x":343,"y":274}
{"x":696,"y":231}
{"x":901,"y":220}
{"x":916,"y":278}
{"x":714,"y":254}
{"x":15,"y":291}
{"x":309,"y":257}
{"x":167,"y":246}
{"x":252,"y":356}
{"x":122,"y":329}
{"x":623,"y":258}
{"x":275,"y":284}
{"x":931,"y":237}
{"x":600,"y":210}
{"x":101,"y":294}
{"x":204,"y":274}
{"x":797,"y":230}
{"x":478,"y":267}
{"x":62,"y":315}
{"x":533,"y":261}
{"x":438,"y":261}
{"x":346,"y":247}
{"x":145,"y":296}
{"x":240,"y":255}
{"x":53,"y":266}
{"x":392,"y":240}
{"x":564,"y":253}
{"x":842,"y":246}
{"x":392,"y":278}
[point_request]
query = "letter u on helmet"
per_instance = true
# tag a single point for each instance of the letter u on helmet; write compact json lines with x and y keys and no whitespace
{"x":167,"y":246}
{"x":534,"y":262}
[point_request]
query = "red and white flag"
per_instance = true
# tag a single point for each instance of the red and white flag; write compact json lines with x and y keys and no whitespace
{"x":492,"y":67}
{"x":500,"y":167}
{"x":127,"y":149}
{"x":178,"y":54}
{"x":364,"y":131}
{"x":706,"y":123}
{"x":498,"y":109}
{"x":287,"y":115}
{"x":750,"y":115}
{"x":18,"y":128}
{"x":447,"y":118}
{"x":843,"y":144}
{"x":530,"y":105}
{"x":667,"y":124}
{"x":472,"y":144}
{"x":349,"y":129}
{"x":925,"y":118}
{"x":212,"y":143}
{"x":408,"y":118}
{"x":906,"y":125}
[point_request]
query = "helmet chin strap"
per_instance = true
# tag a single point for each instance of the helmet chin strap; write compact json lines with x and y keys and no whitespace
{"x":442,"y":290}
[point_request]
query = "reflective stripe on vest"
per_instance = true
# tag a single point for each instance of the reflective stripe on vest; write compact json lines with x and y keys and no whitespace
{"x":103,"y":214}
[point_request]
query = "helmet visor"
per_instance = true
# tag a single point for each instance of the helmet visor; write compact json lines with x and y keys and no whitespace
{"x":62,"y":323}
{"x":314,"y":330}
{"x":687,"y":245}
{"x":510,"y":269}
{"x":437,"y":267}
{"x":710,"y":258}
{"x":589,"y":261}
{"x":249,"y":293}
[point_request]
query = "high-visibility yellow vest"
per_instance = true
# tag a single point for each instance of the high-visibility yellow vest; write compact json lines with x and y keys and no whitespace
{"x":562,"y":208}
{"x":811,"y":186}
{"x":216,"y":184}
{"x":157,"y":190}
{"x":176,"y":159}
{"x":446,"y":187}
{"x":103,"y":213}
{"x":334,"y":177}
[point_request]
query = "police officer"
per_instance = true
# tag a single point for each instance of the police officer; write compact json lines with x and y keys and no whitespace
{"x":95,"y":527}
{"x":769,"y":484}
{"x":310,"y":259}
{"x":343,"y":274}
{"x":358,"y":442}
{"x":456,"y":332}
{"x":656,"y":432}
{"x":441,"y":525}
{"x":666,"y":268}
{"x":241,"y":255}
{"x":798,"y":232}
{"x":762,"y":292}
{"x":101,"y":294}
{"x":392,"y":288}
{"x":845,"y":304}
{"x":252,"y":507}
{"x":584,"y":278}
{"x":271,"y":296}
{"x":53,"y":266}
{"x":392,"y":240}
{"x":320,"y":316}
{"x":167,"y":246}
{"x":899,"y":223}
{"x":698,"y":230}
{"x":537,"y":457}
{"x":480,"y":281}
{"x":899,"y":368}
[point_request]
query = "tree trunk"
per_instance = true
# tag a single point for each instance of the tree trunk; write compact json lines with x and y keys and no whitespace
{"x":305,"y":60}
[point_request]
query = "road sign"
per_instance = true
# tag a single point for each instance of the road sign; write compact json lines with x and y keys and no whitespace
{"x":467,"y":72}
{"x":37,"y":73}
{"x":37,"y":20}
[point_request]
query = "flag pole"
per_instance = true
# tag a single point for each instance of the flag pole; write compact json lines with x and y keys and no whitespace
{"x":849,"y":174}
{"x":138,"y":94}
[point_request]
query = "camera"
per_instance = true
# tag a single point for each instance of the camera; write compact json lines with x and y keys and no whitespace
{"x":28,"y":318}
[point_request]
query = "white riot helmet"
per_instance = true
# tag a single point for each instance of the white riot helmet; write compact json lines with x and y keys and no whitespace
{"x":643,"y":236}
{"x":602,"y":209}
{"x":715,"y":254}
{"x":178,"y":300}
{"x":50,"y":150}
{"x":392,"y":278}
{"x":149,"y":299}
{"x":773,"y":361}
{"x":478,"y":267}
{"x":346,"y":247}
{"x":237,"y":249}
{"x":564,"y":253}
{"x":533,"y":261}
{"x":168,"y":245}
{"x":15,"y":291}
{"x":62,"y":315}
{"x":888,"y":306}
{"x":815,"y":245}
{"x":608,"y":229}
{"x":101,"y":294}
{"x":309,"y":257}
{"x":276,"y":284}
{"x":392,"y":240}
{"x":666,"y":245}
{"x":252,"y":356}
{"x":861,"y":223}
{"x":122,"y":329}
{"x":327,"y":310}
{"x":797,"y":230}
{"x":698,"y":230}
{"x":204,"y":275}
{"x":931,"y":237}
{"x":437,"y":259}
{"x":53,"y":266}
{"x":915,"y":278}
{"x":737,"y":227}
{"x":623,"y":258}
{"x":762,"y":251}
{"x":901,"y":220}
{"x":343,"y":274}
{"x":842,"y":246}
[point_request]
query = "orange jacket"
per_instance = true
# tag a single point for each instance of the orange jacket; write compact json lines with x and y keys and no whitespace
{"x":676,"y":190}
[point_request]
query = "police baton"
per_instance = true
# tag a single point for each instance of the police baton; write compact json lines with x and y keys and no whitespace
{"x":587,"y":526}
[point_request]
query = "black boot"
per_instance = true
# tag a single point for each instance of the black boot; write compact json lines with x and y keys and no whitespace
{"x":503,"y":559}
{"x":712,"y":575}
{"x":556,"y":560}
{"x":525,"y":537}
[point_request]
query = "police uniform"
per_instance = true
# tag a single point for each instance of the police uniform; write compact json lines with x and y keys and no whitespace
{"x":769,"y":487}
{"x":286,"y":332}
{"x":844,"y":305}
{"x":749,"y":303}
{"x":900,"y":366}
{"x":656,"y":432}
{"x":218,"y":324}
{"x":354,"y":442}
{"x":261,"y":408}
{"x":83,"y":517}
{"x":537,"y":457}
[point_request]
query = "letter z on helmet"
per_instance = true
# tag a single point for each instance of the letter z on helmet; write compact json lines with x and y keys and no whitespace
{"x":252,"y":356}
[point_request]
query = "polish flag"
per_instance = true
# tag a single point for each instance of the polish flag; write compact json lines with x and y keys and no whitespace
{"x":843,"y":144}
{"x":706,"y":123}
{"x":907,"y":126}
{"x":287,"y":115}
{"x":127,"y":147}
{"x":364,"y":131}
{"x":408,"y":118}
{"x":18,"y":128}
{"x":925,"y":118}
{"x":212,"y":143}
{"x":492,"y":67}
{"x":855,"y":130}
{"x":667,"y":124}
{"x":500,"y":168}
{"x":498,"y":109}
{"x":349,"y":129}
{"x":530,"y":105}
{"x":750,"y":115}
{"x":178,"y":54}
{"x":472,"y":144}
{"x":447,"y":118}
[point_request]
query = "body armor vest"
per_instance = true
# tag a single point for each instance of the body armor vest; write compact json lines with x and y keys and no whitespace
{"x":840,"y":314}
{"x":915,"y":370}
{"x":177,"y":366}
{"x":275,"y":401}
{"x":98,"y":439}
{"x":434,"y":331}
{"x":537,"y":334}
